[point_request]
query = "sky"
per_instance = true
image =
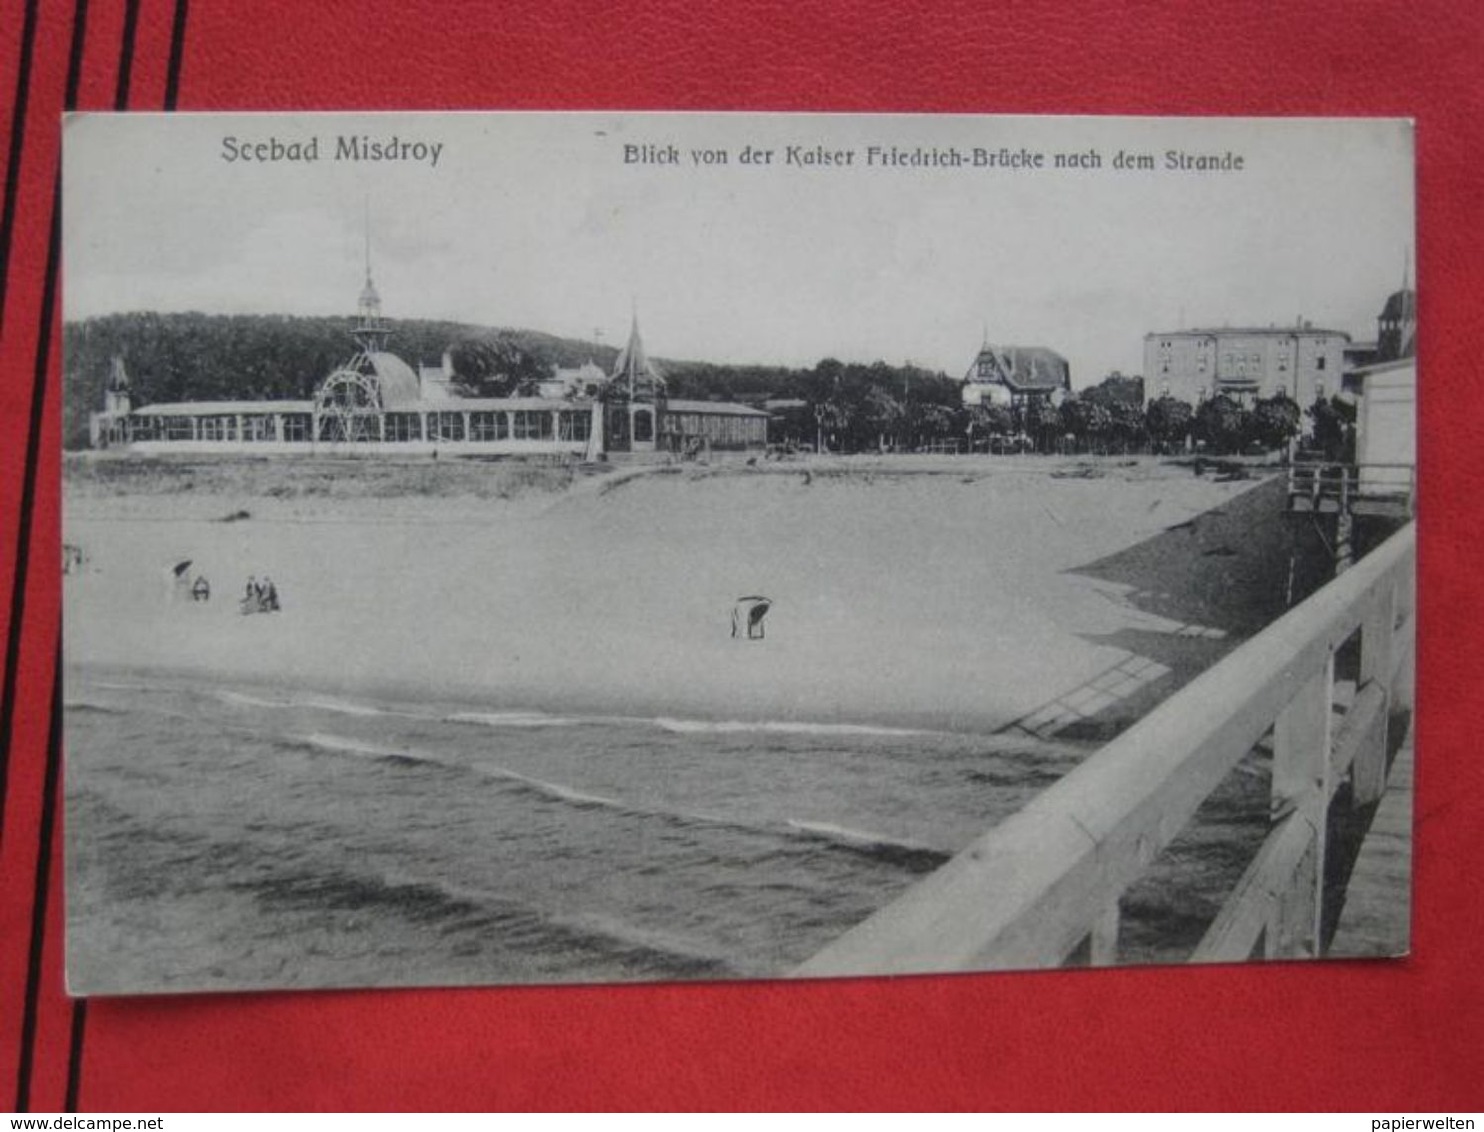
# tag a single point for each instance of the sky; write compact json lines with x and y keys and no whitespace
{"x":556,"y":222}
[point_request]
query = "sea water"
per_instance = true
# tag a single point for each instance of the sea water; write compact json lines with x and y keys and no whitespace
{"x":238,"y":837}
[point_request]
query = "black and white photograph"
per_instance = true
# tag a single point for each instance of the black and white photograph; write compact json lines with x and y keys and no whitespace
{"x":532,"y":547}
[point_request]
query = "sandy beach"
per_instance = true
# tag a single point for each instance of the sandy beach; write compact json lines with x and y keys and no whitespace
{"x":957,"y":594}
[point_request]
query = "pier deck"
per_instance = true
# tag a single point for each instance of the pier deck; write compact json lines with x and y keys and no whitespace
{"x":1376,"y":917}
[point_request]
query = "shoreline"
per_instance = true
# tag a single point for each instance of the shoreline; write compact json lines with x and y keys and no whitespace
{"x":477,"y":708}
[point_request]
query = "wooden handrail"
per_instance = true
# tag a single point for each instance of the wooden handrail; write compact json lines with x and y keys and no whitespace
{"x":1029,"y":891}
{"x":1344,"y":479}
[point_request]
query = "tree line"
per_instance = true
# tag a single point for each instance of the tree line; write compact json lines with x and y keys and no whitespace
{"x":852,"y":408}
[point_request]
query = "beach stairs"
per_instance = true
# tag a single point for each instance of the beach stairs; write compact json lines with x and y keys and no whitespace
{"x":1088,"y":699}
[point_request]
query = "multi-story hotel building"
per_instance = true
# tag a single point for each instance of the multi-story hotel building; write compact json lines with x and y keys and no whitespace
{"x":1245,"y":363}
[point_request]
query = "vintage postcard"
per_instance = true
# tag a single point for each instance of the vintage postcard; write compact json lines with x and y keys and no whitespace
{"x":511,"y":548}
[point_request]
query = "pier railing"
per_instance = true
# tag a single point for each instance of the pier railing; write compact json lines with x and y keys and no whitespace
{"x":1047,"y":882}
{"x":1383,"y":488}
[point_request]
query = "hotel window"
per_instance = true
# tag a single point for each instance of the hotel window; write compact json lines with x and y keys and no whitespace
{"x":576,"y":425}
{"x":296,"y":426}
{"x":403,"y":426}
{"x":486,"y":426}
{"x":532,"y":424}
{"x":445,"y":426}
{"x":1319,"y":362}
{"x":218,"y":428}
{"x":257,"y":428}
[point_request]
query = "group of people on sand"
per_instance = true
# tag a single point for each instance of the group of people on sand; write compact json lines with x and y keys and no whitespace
{"x":260,"y":596}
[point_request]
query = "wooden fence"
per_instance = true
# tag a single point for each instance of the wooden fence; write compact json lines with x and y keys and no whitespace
{"x":1035,"y":889}
{"x":1381,"y":489}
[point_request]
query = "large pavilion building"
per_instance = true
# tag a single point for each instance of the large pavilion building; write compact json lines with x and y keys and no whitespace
{"x":375,"y":402}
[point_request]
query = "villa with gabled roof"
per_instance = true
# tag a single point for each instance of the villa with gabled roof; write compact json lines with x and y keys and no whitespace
{"x":1013,"y":375}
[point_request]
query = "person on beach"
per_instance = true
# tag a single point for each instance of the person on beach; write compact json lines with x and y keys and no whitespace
{"x":270,"y":595}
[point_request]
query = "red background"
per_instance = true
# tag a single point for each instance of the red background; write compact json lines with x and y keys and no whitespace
{"x":1377,"y":1036}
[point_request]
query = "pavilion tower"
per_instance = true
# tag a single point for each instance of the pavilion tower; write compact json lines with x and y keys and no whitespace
{"x":1396,"y":328}
{"x":116,"y":391}
{"x":635,"y":393}
{"x":350,"y":405}
{"x":371,"y":330}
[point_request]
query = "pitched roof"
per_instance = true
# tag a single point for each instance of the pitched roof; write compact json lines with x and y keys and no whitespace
{"x":1024,"y":369}
{"x":1214,"y":331}
{"x":1400,"y":305}
{"x":714,"y":408}
{"x":632,"y":369}
{"x":221,"y":408}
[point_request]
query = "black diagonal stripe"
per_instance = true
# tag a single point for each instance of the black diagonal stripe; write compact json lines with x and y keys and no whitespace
{"x":74,"y":1054}
{"x":177,"y":53}
{"x":172,"y":89}
{"x":126,"y":55}
{"x":79,"y":1006}
{"x":74,"y":56}
{"x":28,"y":503}
{"x":17,"y":145}
{"x":33,"y":438}
{"x":43,"y":885}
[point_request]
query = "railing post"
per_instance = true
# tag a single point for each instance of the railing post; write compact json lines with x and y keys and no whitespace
{"x":1301,"y":741}
{"x":1368,"y":776}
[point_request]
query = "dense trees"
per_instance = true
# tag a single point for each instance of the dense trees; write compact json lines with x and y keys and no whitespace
{"x":1169,"y":422}
{"x":498,"y":364}
{"x":1275,"y":421}
{"x":1333,"y":428}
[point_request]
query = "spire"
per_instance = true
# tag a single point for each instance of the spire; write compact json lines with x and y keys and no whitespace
{"x":370,"y":332}
{"x":1407,"y":346}
{"x":370,"y":301}
{"x":633,"y":372}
